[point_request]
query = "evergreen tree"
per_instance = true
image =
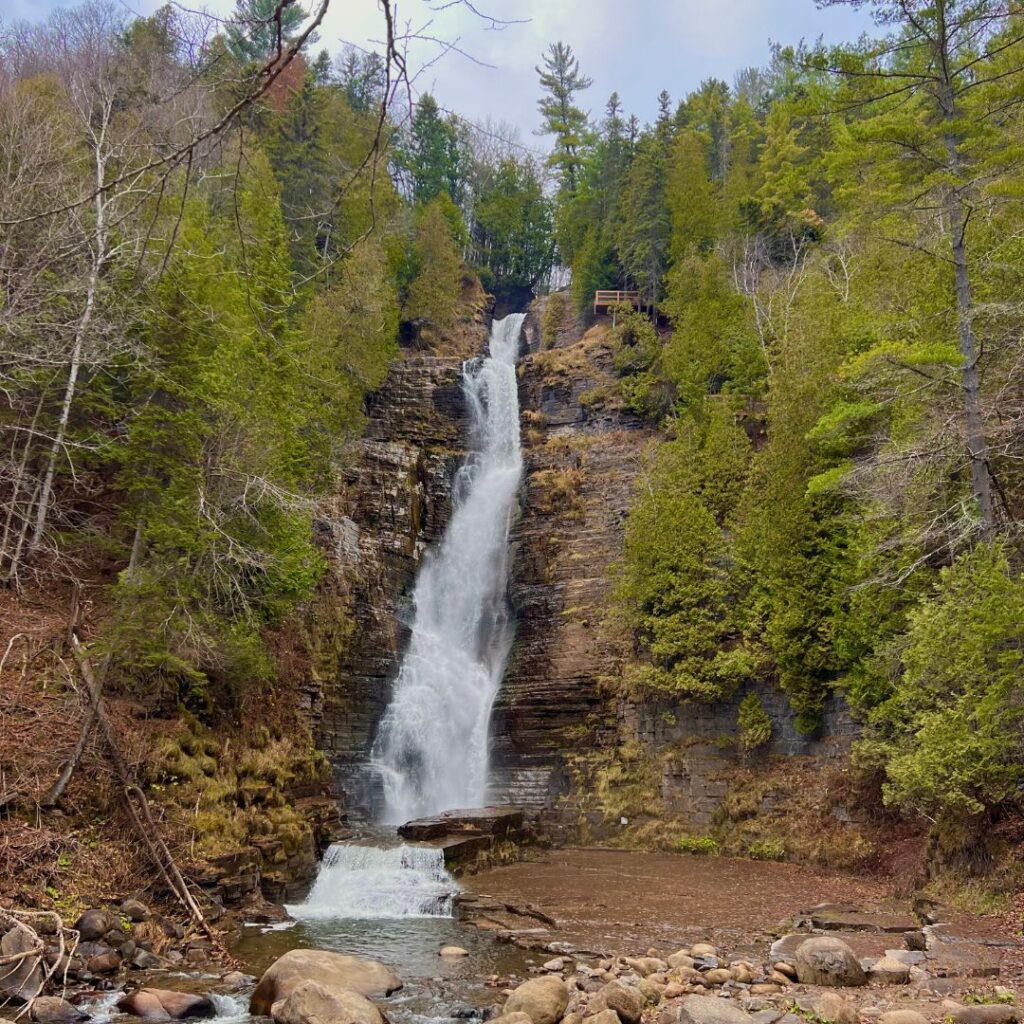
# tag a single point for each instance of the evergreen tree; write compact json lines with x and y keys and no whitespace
{"x":261,"y":29}
{"x":561,"y":80}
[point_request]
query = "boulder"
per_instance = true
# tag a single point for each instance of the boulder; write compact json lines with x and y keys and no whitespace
{"x":93,"y":925}
{"x":165,"y":1004}
{"x":627,"y":1002}
{"x":518,"y":1017}
{"x":21,"y":978}
{"x":651,"y":991}
{"x":902,"y":1017}
{"x":711,"y":1010}
{"x":832,"y":1008}
{"x":543,"y":999}
{"x":719,"y":976}
{"x":233,"y":981}
{"x":703,"y":949}
{"x":785,"y":948}
{"x":54,"y":1010}
{"x":822,"y":960}
{"x":312,"y":1003}
{"x":104,"y":963}
{"x":602,"y":1017}
{"x":645,"y":965}
{"x":889,"y":971}
{"x":284,"y":975}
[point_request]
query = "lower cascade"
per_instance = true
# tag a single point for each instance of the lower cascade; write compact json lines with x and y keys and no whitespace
{"x":368,"y":882}
{"x":430,"y":753}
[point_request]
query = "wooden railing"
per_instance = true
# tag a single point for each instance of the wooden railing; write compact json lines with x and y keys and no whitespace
{"x":606,"y":299}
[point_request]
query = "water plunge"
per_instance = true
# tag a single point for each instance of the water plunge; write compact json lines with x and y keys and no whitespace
{"x":365,"y":883}
{"x":431,"y":749}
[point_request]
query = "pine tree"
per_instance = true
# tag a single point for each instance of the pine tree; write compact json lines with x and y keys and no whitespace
{"x":261,"y":29}
{"x":561,"y":80}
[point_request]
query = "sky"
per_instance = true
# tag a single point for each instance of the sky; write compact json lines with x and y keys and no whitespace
{"x":637,"y":47}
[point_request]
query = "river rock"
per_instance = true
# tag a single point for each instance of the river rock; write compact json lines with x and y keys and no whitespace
{"x":517,"y":1017}
{"x":651,"y":991}
{"x":104,"y":963}
{"x":602,"y":1017}
{"x":54,"y":1010}
{"x":20,"y":979}
{"x":234,"y":981}
{"x":703,"y":949}
{"x":165,"y":1004}
{"x":93,"y":925}
{"x":312,"y":1003}
{"x":711,"y":1010}
{"x":135,"y":911}
{"x":985,"y":1014}
{"x":823,"y":960}
{"x":832,"y":1008}
{"x":625,"y":1000}
{"x":645,"y":965}
{"x":889,"y":971}
{"x":284,"y":975}
{"x":680,"y":959}
{"x":902,"y":1017}
{"x":453,"y":951}
{"x":718,"y":976}
{"x":543,"y":1000}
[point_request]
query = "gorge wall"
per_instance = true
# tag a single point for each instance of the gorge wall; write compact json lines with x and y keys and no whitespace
{"x":566,"y":737}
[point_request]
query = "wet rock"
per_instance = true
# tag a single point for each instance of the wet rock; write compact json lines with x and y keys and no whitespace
{"x":135,"y":910}
{"x":144,"y":960}
{"x":20,"y":979}
{"x":93,"y":925}
{"x":284,"y":975}
{"x":710,"y":1010}
{"x":104,"y":963}
{"x":234,"y":981}
{"x":453,"y":951}
{"x":902,"y":1017}
{"x":889,"y":971}
{"x":313,"y":1003}
{"x":626,"y":1001}
{"x":165,"y":1004}
{"x":543,"y":1000}
{"x":822,"y":960}
{"x":832,"y":1008}
{"x":54,"y":1010}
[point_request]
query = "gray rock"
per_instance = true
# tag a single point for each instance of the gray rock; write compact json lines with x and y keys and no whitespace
{"x":313,"y":1003}
{"x":23,"y":978}
{"x":711,"y":1010}
{"x":823,"y":960}
{"x":889,"y":971}
{"x":986,"y":1014}
{"x":93,"y":925}
{"x":543,"y":1000}
{"x":785,"y":948}
{"x":284,"y":975}
{"x":135,"y":911}
{"x":54,"y":1010}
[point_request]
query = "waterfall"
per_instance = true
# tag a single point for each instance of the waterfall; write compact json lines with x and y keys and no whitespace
{"x":370,"y":883}
{"x":431,"y":748}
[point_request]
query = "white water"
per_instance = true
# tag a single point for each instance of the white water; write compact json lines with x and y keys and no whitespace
{"x":431,"y":749}
{"x":367,"y":883}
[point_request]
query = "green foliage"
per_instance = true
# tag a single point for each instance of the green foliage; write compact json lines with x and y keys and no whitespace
{"x":766,"y":849}
{"x":755,"y":727}
{"x":258,"y":27}
{"x":700,"y":846}
{"x":561,"y":80}
{"x":436,"y":284}
{"x":951,"y":736}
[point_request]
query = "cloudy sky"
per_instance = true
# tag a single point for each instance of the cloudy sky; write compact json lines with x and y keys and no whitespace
{"x":638,"y":47}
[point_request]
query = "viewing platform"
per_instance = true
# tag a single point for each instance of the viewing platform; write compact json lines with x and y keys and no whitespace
{"x":605,"y":300}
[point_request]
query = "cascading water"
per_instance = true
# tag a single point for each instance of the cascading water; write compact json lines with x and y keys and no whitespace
{"x":369,"y":883}
{"x":431,"y":749}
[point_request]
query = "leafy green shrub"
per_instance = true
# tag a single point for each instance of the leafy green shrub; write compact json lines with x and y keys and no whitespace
{"x":766,"y":849}
{"x":755,"y":727}
{"x":701,"y":846}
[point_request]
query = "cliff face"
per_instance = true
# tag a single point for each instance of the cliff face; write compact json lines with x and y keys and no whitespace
{"x":393,"y":503}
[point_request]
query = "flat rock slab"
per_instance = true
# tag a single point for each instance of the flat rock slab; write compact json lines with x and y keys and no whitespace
{"x":490,"y":821}
{"x":843,"y":920}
